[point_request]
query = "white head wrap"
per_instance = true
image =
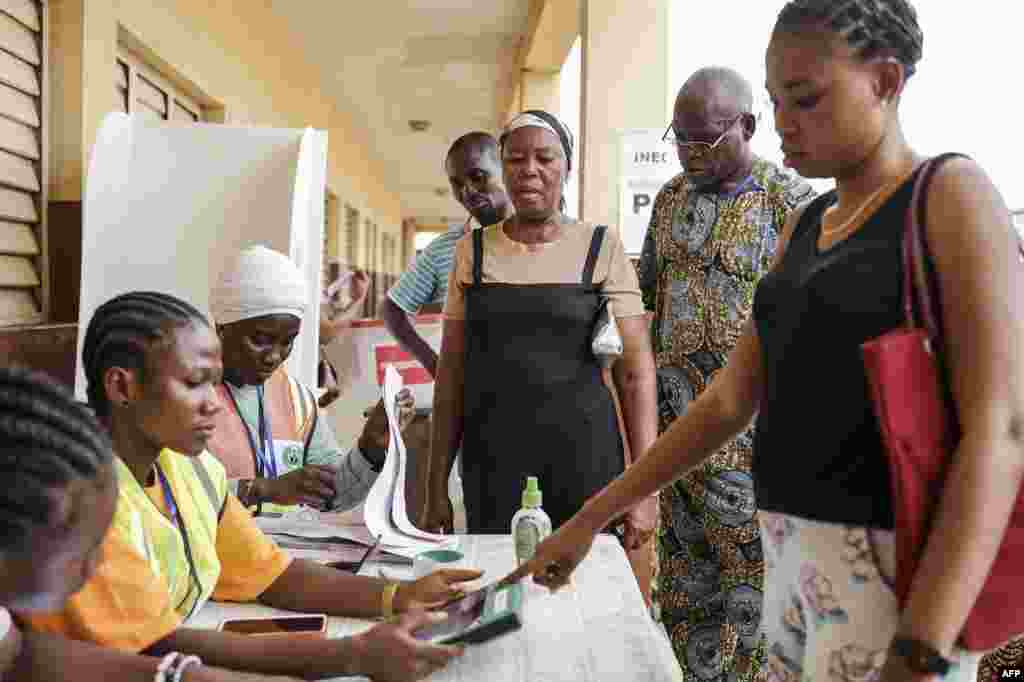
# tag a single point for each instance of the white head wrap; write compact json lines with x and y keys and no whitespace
{"x":527,"y":119}
{"x":542,"y":119}
{"x":259,"y":282}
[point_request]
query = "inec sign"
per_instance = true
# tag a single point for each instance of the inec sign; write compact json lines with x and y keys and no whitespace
{"x":646,"y":164}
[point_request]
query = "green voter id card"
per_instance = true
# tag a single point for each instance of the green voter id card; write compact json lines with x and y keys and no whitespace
{"x":478,"y":617}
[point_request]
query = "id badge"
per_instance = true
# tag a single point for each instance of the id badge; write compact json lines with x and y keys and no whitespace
{"x":288,"y":454}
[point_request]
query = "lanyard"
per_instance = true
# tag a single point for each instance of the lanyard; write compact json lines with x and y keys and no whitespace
{"x":179,"y":522}
{"x":263,"y":454}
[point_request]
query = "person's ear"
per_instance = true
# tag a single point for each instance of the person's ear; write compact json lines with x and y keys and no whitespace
{"x":121,"y":386}
{"x":889,"y":78}
{"x":749,"y":126}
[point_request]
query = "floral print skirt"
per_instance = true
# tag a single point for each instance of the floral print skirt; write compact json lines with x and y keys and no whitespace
{"x":829,"y":611}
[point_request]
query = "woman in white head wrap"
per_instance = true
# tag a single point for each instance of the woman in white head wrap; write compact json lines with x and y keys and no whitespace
{"x":517,"y":383}
{"x":271,"y":437}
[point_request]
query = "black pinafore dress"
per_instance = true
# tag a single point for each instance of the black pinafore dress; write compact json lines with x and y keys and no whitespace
{"x":534,"y":400}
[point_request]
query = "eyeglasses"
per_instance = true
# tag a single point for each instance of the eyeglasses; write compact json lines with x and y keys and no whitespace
{"x":698,"y":149}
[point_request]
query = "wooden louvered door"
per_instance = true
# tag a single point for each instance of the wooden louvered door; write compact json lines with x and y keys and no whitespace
{"x":22,"y":215}
{"x":143,"y":91}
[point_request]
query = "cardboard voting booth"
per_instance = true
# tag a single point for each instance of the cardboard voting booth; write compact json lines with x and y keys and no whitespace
{"x":167,"y":204}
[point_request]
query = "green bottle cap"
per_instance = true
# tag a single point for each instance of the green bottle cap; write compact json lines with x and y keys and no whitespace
{"x":531,"y":494}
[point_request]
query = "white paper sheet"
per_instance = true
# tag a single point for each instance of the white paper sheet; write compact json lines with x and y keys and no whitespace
{"x":296,"y":527}
{"x":300,"y":529}
{"x":384,"y":510}
{"x":396,"y":449}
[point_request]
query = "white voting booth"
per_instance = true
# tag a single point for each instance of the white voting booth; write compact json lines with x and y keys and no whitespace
{"x":166,"y":206}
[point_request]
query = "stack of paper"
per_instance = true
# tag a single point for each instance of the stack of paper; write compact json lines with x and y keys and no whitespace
{"x":384,"y":512}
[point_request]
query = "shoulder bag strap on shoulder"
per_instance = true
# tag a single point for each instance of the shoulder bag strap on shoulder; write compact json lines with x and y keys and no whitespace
{"x":478,"y":256}
{"x":595,"y":248}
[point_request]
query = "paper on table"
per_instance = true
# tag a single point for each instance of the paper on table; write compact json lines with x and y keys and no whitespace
{"x":380,"y":508}
{"x":325,"y":532}
{"x":313,"y":530}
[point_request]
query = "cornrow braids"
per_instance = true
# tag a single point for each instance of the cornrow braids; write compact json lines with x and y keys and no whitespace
{"x":871,"y":28}
{"x":48,"y":441}
{"x":122,"y":330}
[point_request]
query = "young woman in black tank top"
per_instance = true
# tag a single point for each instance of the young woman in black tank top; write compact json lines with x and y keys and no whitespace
{"x":836,"y":71}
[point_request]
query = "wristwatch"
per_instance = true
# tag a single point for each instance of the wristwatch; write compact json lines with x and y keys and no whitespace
{"x":245,"y":493}
{"x":920,"y":657}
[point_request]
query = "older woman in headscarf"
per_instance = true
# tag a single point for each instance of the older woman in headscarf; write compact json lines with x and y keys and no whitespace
{"x":277,"y":447}
{"x":517,"y":384}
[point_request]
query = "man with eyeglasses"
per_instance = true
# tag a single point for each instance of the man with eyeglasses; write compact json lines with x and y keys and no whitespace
{"x":712,"y":235}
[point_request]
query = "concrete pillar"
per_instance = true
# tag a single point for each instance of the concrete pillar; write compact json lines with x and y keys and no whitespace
{"x":624,"y":86}
{"x":540,"y":90}
{"x":516,"y":104}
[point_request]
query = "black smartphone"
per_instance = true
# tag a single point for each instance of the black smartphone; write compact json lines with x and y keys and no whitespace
{"x":478,"y":617}
{"x":285,"y":625}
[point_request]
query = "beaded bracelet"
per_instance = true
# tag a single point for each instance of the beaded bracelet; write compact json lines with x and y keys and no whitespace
{"x":183,"y":663}
{"x":166,"y":663}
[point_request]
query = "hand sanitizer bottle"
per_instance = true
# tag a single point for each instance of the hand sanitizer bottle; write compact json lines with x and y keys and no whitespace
{"x":530,"y":525}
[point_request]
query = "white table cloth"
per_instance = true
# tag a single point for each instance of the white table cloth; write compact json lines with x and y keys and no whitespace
{"x":597,"y":629}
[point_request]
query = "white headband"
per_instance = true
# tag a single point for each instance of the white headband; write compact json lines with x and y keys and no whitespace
{"x":526,"y":119}
{"x":257,"y":283}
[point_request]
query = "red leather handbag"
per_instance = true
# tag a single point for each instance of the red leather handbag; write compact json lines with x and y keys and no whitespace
{"x":919,"y":426}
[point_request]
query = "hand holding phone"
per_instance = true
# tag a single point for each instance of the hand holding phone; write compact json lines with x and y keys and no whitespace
{"x":478,"y":617}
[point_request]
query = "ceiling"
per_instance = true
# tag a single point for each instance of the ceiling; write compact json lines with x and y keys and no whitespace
{"x":450,"y":62}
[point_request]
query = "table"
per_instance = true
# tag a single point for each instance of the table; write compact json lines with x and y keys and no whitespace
{"x":596,"y":629}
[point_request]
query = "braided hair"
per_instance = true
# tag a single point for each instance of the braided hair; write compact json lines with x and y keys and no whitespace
{"x":49,"y":440}
{"x":872,"y":28}
{"x":122,"y":330}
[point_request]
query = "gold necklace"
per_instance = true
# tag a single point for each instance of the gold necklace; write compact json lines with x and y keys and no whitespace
{"x":874,"y":200}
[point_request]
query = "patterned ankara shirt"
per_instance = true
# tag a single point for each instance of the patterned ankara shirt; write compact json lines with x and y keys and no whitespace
{"x":702,"y":258}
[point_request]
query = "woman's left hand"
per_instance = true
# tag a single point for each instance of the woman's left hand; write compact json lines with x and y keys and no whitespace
{"x":640,"y":524}
{"x":435,"y":590}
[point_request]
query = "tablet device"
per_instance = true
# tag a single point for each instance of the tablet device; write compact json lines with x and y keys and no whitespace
{"x":310,"y":625}
{"x":479,"y":616}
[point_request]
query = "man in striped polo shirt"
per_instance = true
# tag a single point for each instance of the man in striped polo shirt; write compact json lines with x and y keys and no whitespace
{"x":474,"y":173}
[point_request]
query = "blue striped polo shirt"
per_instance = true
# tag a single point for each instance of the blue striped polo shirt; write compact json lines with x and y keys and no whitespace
{"x":426,"y":281}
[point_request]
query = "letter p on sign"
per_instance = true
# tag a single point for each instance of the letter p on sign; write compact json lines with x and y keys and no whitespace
{"x":640,"y":202}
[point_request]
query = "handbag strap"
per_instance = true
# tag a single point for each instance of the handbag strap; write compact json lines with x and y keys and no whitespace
{"x":595,"y":249}
{"x":478,"y":256}
{"x":916,"y":282}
